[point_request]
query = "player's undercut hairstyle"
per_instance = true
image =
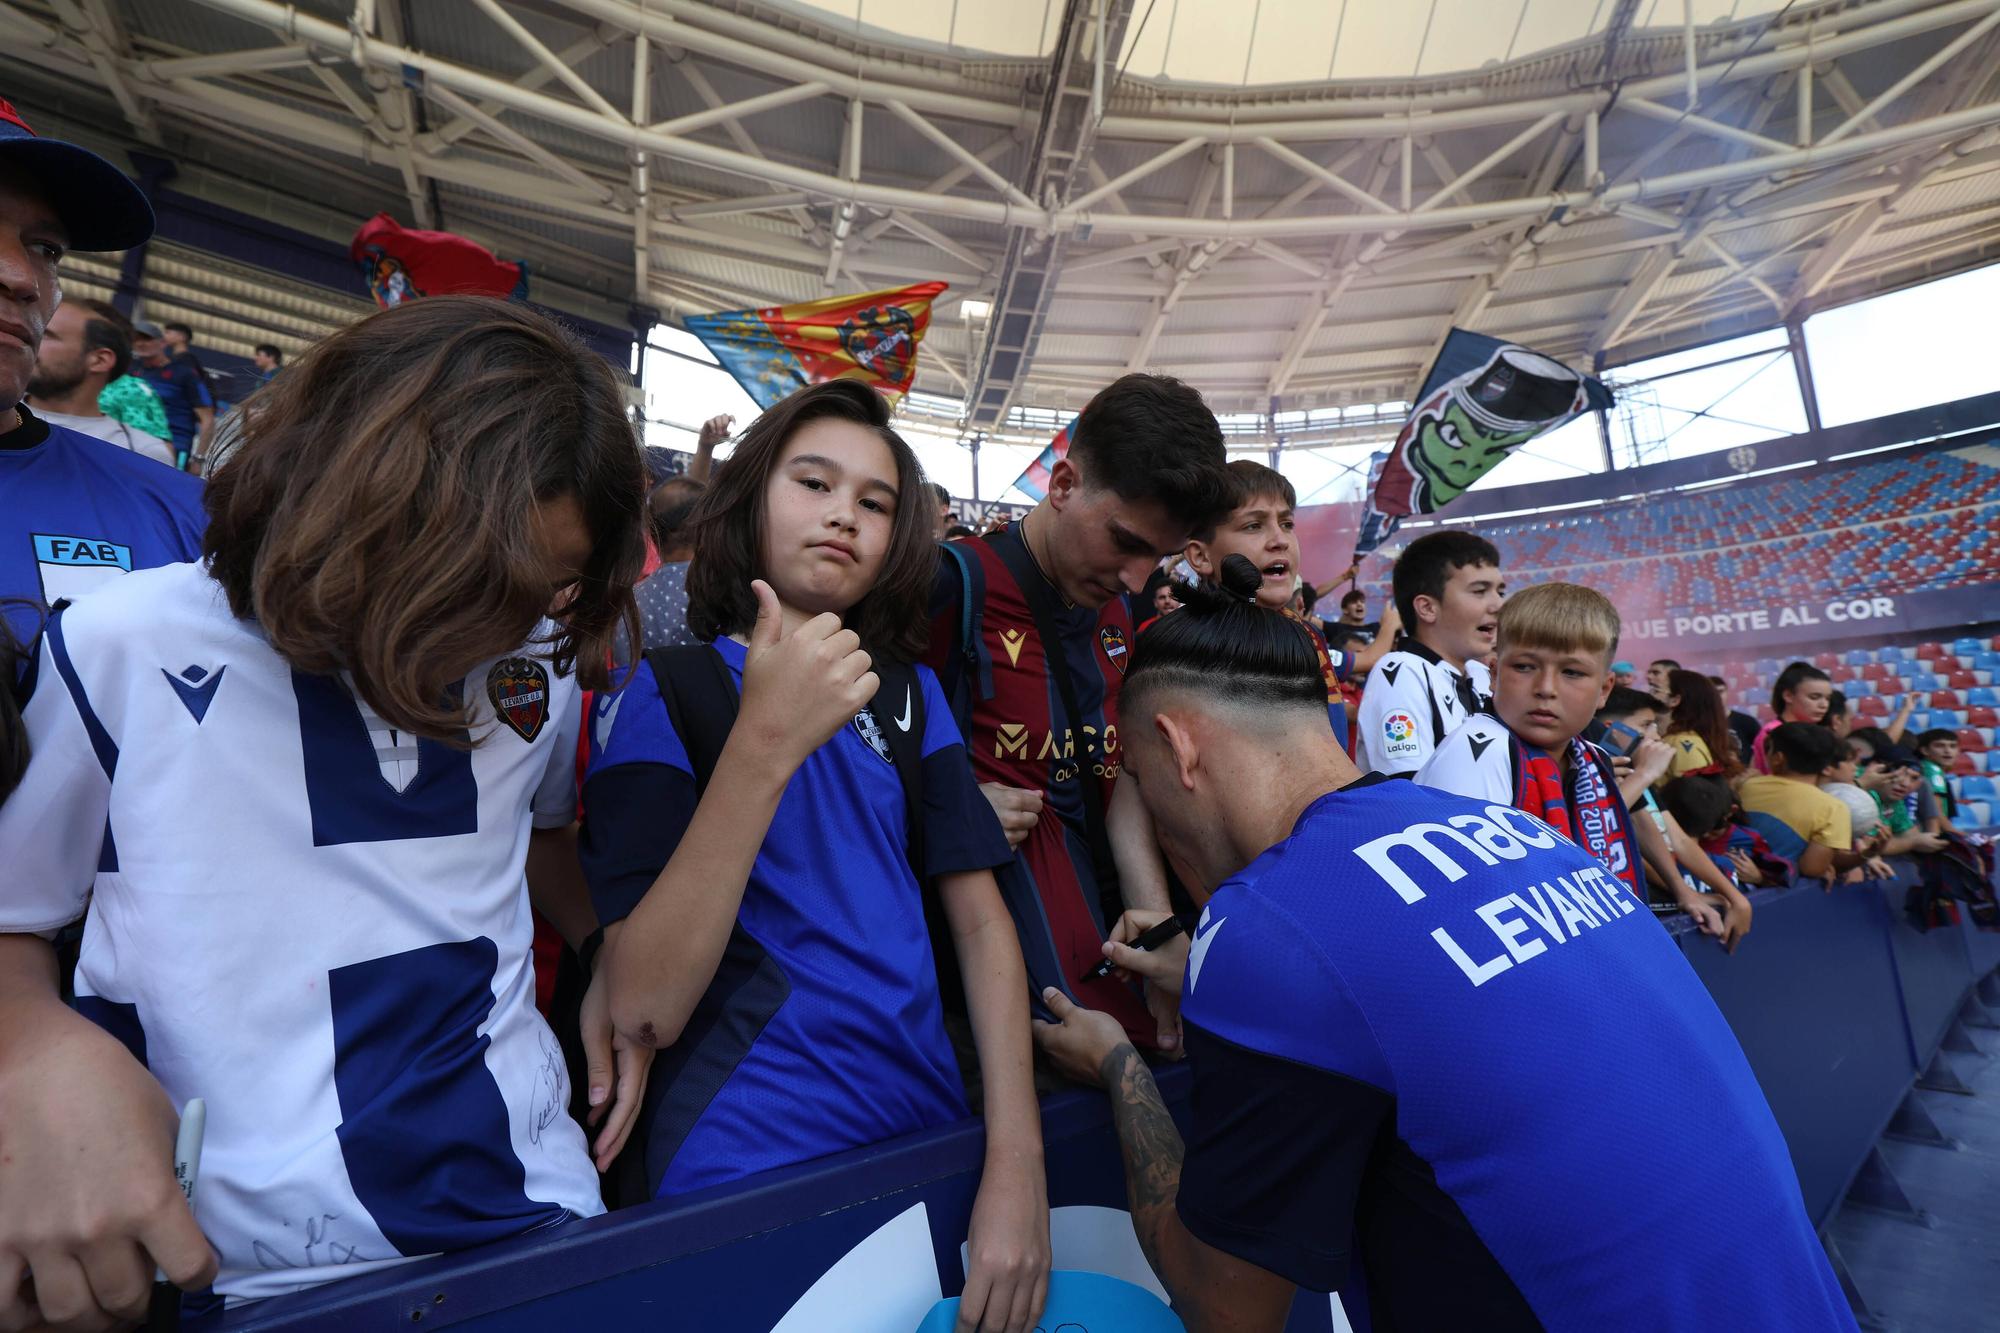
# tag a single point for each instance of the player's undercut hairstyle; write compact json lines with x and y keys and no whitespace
{"x":380,"y":515}
{"x":1793,"y":676}
{"x":1250,"y":480}
{"x":1151,"y":437}
{"x":109,"y":330}
{"x":1808,"y":748}
{"x":1931,"y":737}
{"x":727,"y":528}
{"x":1222,"y":644}
{"x":1559,"y":618}
{"x":1428,"y":563}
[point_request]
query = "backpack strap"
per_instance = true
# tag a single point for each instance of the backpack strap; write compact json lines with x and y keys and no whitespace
{"x":967,"y":676}
{"x":700,"y":696}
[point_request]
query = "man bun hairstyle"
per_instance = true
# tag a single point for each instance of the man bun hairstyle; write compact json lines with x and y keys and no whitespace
{"x":1151,"y":437}
{"x":1223,"y":644}
{"x":1427,"y":563}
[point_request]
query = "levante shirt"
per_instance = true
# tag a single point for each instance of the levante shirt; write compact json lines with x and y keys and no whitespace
{"x":335,"y":955}
{"x":1427,"y":1028}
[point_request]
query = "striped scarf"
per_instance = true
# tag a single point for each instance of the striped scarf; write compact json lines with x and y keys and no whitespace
{"x":1587,"y":810}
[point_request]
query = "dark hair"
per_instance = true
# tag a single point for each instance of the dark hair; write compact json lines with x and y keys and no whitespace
{"x":727,"y":529}
{"x":1427,"y":564}
{"x":16,"y":658}
{"x":1250,"y":480}
{"x":175,"y":326}
{"x":107,"y":328}
{"x":943,"y":495}
{"x":1793,"y":676}
{"x":1720,"y":682}
{"x":1353,"y":595}
{"x":1702,"y":712}
{"x":1623,"y":701}
{"x":1874,"y":738}
{"x":1809,"y":749}
{"x":958,"y":530}
{"x":1699,"y":803}
{"x":1666,"y":662}
{"x":1836,"y":706}
{"x":272,"y":350}
{"x":1151,"y":437}
{"x":1222,"y":643}
{"x":669,"y":508}
{"x":1925,"y":739}
{"x":378,"y":515}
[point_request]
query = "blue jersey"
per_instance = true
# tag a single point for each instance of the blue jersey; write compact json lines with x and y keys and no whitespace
{"x":822,"y":1029}
{"x":181,"y":390}
{"x":1429,"y":1028}
{"x":77,"y":512}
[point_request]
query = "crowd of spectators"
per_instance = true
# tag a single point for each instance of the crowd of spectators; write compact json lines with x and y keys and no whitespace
{"x":852,"y":785}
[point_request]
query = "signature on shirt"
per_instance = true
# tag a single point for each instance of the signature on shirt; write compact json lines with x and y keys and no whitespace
{"x":553,"y":1097}
{"x":317,"y":1237}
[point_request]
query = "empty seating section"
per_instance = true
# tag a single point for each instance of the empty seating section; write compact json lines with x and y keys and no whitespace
{"x":1958,"y":685}
{"x":1903,"y":525}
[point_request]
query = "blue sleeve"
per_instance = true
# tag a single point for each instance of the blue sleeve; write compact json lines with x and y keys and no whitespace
{"x":961,"y":832}
{"x":1291,"y":1094}
{"x":638,"y":796}
{"x":1336,"y":714}
{"x":197,"y":387}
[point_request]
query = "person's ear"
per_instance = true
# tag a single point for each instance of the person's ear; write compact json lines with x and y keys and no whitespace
{"x":1427,"y":608}
{"x":1604,"y":690}
{"x":1065,"y":480}
{"x":99,"y":359}
{"x":1200,"y":559}
{"x":1181,"y":745}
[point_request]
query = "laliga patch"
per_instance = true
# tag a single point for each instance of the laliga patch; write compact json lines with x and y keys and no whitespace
{"x":868,"y":729}
{"x":519,"y":689}
{"x":1399,"y":733}
{"x":1113,"y":640}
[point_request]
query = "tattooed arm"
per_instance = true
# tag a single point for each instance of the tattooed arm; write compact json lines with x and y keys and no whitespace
{"x":1213,"y":1292}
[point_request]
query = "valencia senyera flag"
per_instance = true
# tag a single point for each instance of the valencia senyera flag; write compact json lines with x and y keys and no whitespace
{"x":871,"y":337}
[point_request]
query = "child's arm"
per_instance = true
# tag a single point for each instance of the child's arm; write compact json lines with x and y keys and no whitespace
{"x":88,"y":1188}
{"x":1736,"y":907}
{"x":798,"y":690}
{"x":1007,"y":1274}
{"x":1368,"y":655}
{"x":1653,"y":846}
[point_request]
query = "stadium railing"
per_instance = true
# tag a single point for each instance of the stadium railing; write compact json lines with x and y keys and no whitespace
{"x":1841,"y":1005}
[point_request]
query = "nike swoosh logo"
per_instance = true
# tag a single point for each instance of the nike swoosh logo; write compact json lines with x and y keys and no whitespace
{"x":1198,"y":953}
{"x":903,"y":722}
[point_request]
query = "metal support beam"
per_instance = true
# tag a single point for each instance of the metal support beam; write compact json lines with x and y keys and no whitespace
{"x":737,"y":134}
{"x":844,"y":214}
{"x":575,"y":53}
{"x":1490,"y":161}
{"x":1795,"y":338}
{"x":1300,"y":162}
{"x":548,"y":60}
{"x":642,"y":111}
{"x":395,"y":116}
{"x":959,"y":153}
{"x":1138,"y":173}
{"x":105,"y":43}
{"x":1912,"y":78}
{"x":521,"y":143}
{"x":1654,"y":111}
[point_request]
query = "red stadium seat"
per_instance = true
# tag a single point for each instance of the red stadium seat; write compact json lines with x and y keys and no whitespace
{"x":1971,"y":741}
{"x":1872,"y":705}
{"x":1945,"y":699}
{"x":1982,"y":717}
{"x":1966,"y":765}
{"x":1961,"y":680}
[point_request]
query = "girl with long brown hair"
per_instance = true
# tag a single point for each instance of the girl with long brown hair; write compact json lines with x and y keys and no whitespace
{"x":769,"y":883}
{"x":301,"y":788}
{"x":1698,"y":731}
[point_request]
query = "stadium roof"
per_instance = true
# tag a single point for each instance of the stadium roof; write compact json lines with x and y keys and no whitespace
{"x":1287,"y":202}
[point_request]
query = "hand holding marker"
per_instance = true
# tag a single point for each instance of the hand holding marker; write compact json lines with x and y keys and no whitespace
{"x":165,"y":1313}
{"x":1149,"y":939}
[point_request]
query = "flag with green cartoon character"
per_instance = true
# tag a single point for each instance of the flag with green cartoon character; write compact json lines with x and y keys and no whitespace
{"x":1482,"y":399}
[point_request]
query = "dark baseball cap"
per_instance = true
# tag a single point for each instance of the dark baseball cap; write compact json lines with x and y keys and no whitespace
{"x":100,"y":207}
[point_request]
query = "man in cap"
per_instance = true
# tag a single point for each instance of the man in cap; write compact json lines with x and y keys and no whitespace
{"x":180,"y":384}
{"x":77,"y":1249}
{"x":74,"y":511}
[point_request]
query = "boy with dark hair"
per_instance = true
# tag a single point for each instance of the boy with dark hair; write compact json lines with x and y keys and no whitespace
{"x":1938,"y":751}
{"x":1555,"y":642}
{"x":1741,"y":725}
{"x":1448,"y":592}
{"x":1030,"y":639}
{"x":1260,"y":527}
{"x":1798,"y":752}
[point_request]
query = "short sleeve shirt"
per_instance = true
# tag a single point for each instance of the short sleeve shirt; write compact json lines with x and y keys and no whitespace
{"x":1807,"y":810}
{"x":1401,"y":1019}
{"x":181,"y":390}
{"x":663,"y":607}
{"x":1689,"y":753}
{"x":823,"y":1029}
{"x":1410,"y":704}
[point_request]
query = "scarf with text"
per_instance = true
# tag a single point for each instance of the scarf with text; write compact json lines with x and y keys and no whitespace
{"x":1587,"y":809}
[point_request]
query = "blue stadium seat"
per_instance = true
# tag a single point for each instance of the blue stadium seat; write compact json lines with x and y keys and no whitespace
{"x":1983,"y":695}
{"x":1978,"y":787}
{"x":1966,"y":645}
{"x":1975,"y":814}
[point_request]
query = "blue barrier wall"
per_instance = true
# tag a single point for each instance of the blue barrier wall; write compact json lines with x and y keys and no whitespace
{"x":1839,"y":1002}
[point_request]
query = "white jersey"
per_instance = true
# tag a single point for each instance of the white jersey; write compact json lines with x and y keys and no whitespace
{"x":1410,"y":704}
{"x":114,"y":431}
{"x":1476,"y":760}
{"x":316,"y":923}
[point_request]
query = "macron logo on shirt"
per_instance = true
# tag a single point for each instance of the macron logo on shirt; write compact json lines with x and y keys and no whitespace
{"x":1204,"y":935}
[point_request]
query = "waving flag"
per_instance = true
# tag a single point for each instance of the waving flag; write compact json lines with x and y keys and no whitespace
{"x":1034,"y":483}
{"x":1483,"y":399}
{"x":872,"y":337}
{"x":402,"y":265}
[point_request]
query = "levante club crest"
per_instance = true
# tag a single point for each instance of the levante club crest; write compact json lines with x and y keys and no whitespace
{"x":519,"y":689}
